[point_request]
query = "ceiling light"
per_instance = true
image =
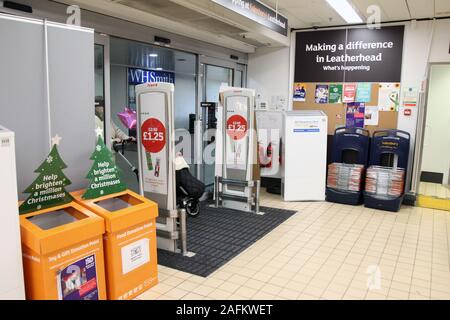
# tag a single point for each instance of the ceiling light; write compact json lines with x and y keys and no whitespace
{"x":153,"y":55}
{"x":345,"y":10}
{"x":159,"y":69}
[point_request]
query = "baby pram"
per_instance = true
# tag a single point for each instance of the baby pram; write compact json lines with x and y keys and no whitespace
{"x":189,"y":189}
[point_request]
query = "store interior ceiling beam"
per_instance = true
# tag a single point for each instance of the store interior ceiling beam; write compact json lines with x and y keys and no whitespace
{"x":118,"y":10}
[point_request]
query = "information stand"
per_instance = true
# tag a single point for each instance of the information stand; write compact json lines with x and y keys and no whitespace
{"x":237,"y":176}
{"x":129,"y":241}
{"x":63,"y":254}
{"x":350,"y":146}
{"x":156,"y":150}
{"x":390,"y":148}
{"x":305,"y":155}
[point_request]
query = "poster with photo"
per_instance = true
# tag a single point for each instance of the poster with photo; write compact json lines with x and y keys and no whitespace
{"x":154,"y":146}
{"x":389,"y":96}
{"x":299,"y":92}
{"x":349,"y":93}
{"x":364,"y":92}
{"x":371,"y":116}
{"x":322,"y":93}
{"x":355,"y":115}
{"x":335,"y":93}
{"x":78,"y":281}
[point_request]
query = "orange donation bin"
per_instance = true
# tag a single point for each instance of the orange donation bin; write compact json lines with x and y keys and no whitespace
{"x":130,"y":242}
{"x":63,"y":254}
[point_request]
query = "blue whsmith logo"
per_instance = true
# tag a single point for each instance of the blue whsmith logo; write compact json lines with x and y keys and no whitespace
{"x":139,"y":76}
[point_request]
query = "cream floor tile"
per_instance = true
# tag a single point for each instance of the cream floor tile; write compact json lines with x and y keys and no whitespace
{"x":177,"y":293}
{"x":219,"y":294}
{"x":193,"y":296}
{"x":324,"y":252}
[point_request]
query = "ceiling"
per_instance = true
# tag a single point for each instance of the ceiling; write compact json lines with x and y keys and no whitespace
{"x":308,"y":13}
{"x":210,"y":22}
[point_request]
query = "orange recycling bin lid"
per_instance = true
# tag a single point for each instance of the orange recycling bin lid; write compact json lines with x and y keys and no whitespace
{"x":54,"y":228}
{"x":120,"y":210}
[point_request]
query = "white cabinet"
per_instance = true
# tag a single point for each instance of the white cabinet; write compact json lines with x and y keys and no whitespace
{"x":305,"y":155}
{"x":11,"y":270}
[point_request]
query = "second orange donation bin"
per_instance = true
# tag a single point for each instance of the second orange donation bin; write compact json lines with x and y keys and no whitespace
{"x":129,"y":242}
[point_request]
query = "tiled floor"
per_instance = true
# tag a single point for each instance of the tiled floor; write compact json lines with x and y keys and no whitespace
{"x":434,"y":190}
{"x":331,"y":251}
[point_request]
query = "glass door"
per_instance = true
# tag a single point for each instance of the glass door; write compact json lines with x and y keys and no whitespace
{"x":214,"y":73}
{"x":102,"y":80}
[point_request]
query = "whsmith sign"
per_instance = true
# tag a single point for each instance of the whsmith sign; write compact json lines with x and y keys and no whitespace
{"x":258,"y":12}
{"x":349,"y":55}
{"x":139,"y":76}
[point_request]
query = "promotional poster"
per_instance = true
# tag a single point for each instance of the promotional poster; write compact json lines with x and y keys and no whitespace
{"x":349,"y":93}
{"x":355,"y":115}
{"x":79,"y":280}
{"x":237,"y":128}
{"x":154,"y":137}
{"x":371,"y":116}
{"x":321,"y":93}
{"x":299,"y":92}
{"x":335,"y":93}
{"x":364,"y":92}
{"x":389,"y":96}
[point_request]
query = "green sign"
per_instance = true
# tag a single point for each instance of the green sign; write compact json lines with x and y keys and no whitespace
{"x":335,"y":93}
{"x":104,"y":175}
{"x":48,"y":190}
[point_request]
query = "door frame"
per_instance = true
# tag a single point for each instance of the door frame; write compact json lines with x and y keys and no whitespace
{"x":104,"y":40}
{"x":424,"y":98}
{"x":202,"y":62}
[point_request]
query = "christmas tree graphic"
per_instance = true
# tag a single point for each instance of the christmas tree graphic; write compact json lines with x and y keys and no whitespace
{"x":104,"y":176}
{"x":48,"y":190}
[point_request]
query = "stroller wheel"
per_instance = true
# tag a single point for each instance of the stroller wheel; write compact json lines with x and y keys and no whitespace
{"x":193,"y":208}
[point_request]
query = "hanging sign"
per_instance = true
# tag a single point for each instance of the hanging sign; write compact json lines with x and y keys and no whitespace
{"x":258,"y":12}
{"x":349,"y":55}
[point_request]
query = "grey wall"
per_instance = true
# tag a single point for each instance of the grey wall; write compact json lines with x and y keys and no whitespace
{"x":23,"y":106}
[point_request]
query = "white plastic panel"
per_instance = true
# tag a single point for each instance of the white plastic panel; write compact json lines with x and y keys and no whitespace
{"x":305,"y":155}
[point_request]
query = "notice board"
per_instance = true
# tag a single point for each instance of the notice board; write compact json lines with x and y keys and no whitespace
{"x":356,"y":55}
{"x":337,"y":112}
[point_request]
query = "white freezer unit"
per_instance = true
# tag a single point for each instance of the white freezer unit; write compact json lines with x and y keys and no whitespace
{"x":305,"y":155}
{"x":11,"y":270}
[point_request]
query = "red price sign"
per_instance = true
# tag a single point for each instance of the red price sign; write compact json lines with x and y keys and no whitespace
{"x":237,"y":127}
{"x":153,"y":135}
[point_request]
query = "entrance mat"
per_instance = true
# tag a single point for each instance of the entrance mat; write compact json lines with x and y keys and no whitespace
{"x":217,"y":235}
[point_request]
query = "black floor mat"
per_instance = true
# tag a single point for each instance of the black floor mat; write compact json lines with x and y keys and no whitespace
{"x":218,"y":235}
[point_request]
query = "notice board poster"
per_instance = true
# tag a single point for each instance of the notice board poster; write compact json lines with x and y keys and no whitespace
{"x":355,"y":115}
{"x":349,"y":55}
